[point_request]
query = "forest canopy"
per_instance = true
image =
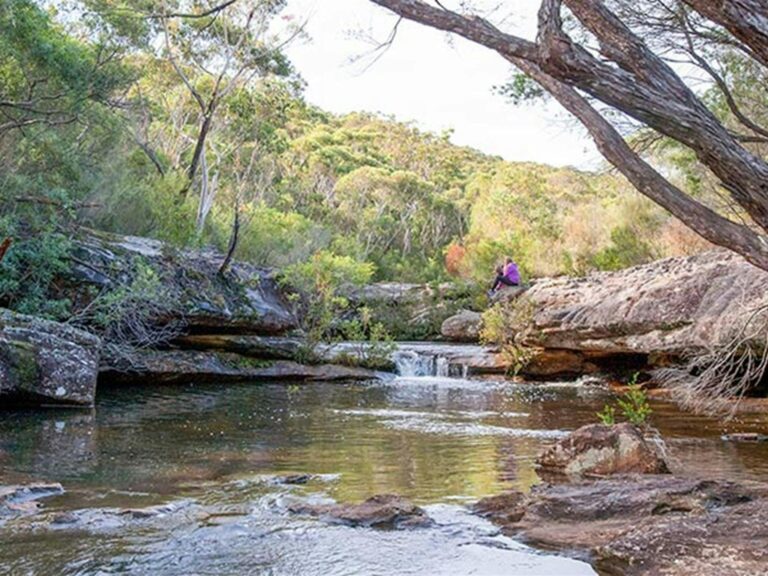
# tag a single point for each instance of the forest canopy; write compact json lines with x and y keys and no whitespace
{"x":185,"y":121}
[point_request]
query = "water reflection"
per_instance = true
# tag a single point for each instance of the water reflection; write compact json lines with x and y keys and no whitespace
{"x":436,"y":441}
{"x":427,"y":438}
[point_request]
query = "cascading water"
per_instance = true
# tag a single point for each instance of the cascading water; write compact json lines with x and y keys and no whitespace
{"x":412,"y":362}
{"x":416,"y":359}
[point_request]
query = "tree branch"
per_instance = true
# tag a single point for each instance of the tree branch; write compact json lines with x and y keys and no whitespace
{"x":747,"y":20}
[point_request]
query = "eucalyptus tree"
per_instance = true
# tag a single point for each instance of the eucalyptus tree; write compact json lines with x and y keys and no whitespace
{"x":597,"y":58}
{"x":214,"y":48}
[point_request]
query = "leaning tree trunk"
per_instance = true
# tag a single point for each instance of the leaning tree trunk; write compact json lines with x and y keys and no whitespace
{"x":747,"y":20}
{"x":233,"y":240}
{"x":639,"y":83}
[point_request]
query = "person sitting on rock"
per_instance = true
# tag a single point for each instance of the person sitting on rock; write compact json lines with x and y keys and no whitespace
{"x":507,"y":275}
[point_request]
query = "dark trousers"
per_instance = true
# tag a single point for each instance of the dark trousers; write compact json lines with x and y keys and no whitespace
{"x":501,"y":279}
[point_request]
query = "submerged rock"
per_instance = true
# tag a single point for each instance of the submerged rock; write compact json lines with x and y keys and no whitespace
{"x":462,"y":327}
{"x":23,"y":499}
{"x":295,"y":479}
{"x":384,"y":510}
{"x":645,"y":524}
{"x":603,"y":450}
{"x":745,"y":437}
{"x":44,"y":362}
{"x":100,"y":520}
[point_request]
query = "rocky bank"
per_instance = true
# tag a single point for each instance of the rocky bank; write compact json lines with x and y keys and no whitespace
{"x":211,"y":327}
{"x":240,"y":325}
{"x":643,"y":317}
{"x":46,"y":362}
{"x":617,"y":505}
{"x":632,"y":525}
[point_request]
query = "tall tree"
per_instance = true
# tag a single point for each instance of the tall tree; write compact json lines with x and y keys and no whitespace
{"x":215,"y":48}
{"x":625,"y":73}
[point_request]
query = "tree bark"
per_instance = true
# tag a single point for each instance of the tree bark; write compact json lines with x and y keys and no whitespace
{"x":702,"y":220}
{"x":747,"y":20}
{"x":205,"y":127}
{"x":233,"y":239}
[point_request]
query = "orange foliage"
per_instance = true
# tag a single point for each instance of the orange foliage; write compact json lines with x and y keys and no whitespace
{"x":454,"y":255}
{"x":4,"y":247}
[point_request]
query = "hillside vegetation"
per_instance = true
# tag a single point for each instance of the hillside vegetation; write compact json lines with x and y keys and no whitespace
{"x":116,"y":138}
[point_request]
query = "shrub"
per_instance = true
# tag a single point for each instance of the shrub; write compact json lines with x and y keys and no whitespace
{"x":317,"y":282}
{"x":30,"y":269}
{"x":607,"y":416}
{"x":133,"y":313}
{"x":376,"y":344}
{"x":633,"y":403}
{"x":627,"y":249}
{"x":503,"y":323}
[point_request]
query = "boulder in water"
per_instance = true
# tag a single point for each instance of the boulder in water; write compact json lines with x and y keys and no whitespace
{"x":503,"y":509}
{"x":603,"y":450}
{"x":383,"y":510}
{"x":44,"y":362}
{"x":462,"y":327}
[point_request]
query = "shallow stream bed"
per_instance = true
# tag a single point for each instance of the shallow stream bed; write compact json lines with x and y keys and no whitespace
{"x":214,"y":454}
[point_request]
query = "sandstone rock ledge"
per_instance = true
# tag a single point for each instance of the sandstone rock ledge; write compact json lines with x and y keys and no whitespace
{"x":646,"y":523}
{"x":634,"y":319}
{"x":663,"y":309}
{"x":247,"y":300}
{"x":640,"y":525}
{"x":182,"y":366}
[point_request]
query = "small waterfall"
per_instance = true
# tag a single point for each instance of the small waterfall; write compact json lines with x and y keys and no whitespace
{"x":410,"y":362}
{"x":442,"y":367}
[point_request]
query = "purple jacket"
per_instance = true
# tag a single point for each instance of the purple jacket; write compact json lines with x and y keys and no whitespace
{"x":511,"y":273}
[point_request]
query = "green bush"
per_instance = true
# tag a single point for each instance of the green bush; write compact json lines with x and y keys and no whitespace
{"x":317,"y":283}
{"x":502,"y":323}
{"x":633,"y":403}
{"x":134,"y":313}
{"x":30,"y":269}
{"x":272,"y":237}
{"x":607,"y":416}
{"x":627,"y":248}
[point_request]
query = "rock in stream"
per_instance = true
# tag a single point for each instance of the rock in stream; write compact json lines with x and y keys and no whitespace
{"x":383,"y":510}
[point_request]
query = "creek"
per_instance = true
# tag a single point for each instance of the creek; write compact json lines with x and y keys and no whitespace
{"x":213,"y":455}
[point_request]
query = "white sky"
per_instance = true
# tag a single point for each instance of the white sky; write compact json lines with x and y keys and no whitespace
{"x":425,"y":78}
